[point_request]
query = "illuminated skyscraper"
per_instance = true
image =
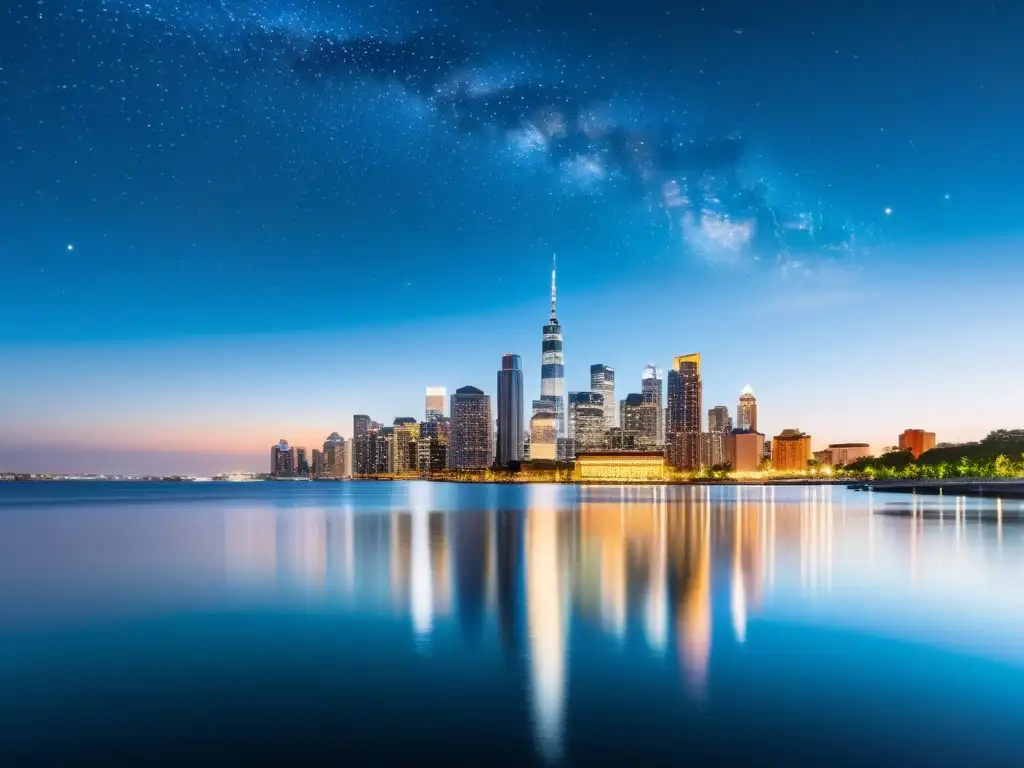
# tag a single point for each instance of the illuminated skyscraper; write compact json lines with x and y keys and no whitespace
{"x":682,"y":431}
{"x":746,"y":412}
{"x":362,"y":454}
{"x":552,"y":371}
{"x":404,"y":452}
{"x":602,"y":379}
{"x":282,"y":460}
{"x":719,"y":420}
{"x":640,"y":420}
{"x":333,"y":457}
{"x":587,"y":421}
{"x":651,"y":389}
{"x":470,"y":446}
{"x":435,"y":403}
{"x":510,"y":411}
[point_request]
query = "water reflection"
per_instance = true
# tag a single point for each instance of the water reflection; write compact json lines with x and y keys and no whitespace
{"x":686,"y":572}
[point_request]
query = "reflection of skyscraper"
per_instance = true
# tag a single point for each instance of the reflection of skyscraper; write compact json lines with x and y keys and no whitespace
{"x":552,"y":371}
{"x":471,"y":547}
{"x":510,"y":411}
{"x":602,"y":380}
{"x":682,"y":432}
{"x":508,"y":546}
{"x":546,"y":616}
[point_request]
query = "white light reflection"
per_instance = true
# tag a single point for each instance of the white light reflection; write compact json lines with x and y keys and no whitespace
{"x":422,"y":598}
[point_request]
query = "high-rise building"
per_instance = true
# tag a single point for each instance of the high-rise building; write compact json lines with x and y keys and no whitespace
{"x":470,"y":446}
{"x":682,"y":431}
{"x":333,"y":456}
{"x":746,"y":411}
{"x":602,"y":380}
{"x":361,"y":455}
{"x":509,"y":448}
{"x":383,"y":437}
{"x":713,"y":449}
{"x":552,"y":370}
{"x":435,"y":403}
{"x":403,"y":449}
{"x":587,"y":426}
{"x":791,"y":451}
{"x":282,"y":460}
{"x":719,"y":420}
{"x":431,"y":455}
{"x":651,"y":389}
{"x":917,"y":441}
{"x":744,"y":450}
{"x":641,"y":419}
{"x":301,"y":462}
{"x":544,"y":435}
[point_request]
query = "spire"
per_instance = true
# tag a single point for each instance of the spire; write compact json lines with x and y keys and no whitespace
{"x":553,"y":288}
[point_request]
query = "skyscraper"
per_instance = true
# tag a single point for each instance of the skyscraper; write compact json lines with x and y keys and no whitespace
{"x":719,"y":420}
{"x":403,"y":448}
{"x":602,"y":379}
{"x":552,"y":370}
{"x":362,"y":455}
{"x":746,"y":412}
{"x":682,"y":431}
{"x":586,"y":421}
{"x":435,"y":403}
{"x":282,"y":460}
{"x":651,"y":389}
{"x":510,"y":411}
{"x":470,"y":446}
{"x":333,"y":456}
{"x":640,"y":421}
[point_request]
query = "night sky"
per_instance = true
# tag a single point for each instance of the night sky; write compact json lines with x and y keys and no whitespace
{"x":223,"y":223}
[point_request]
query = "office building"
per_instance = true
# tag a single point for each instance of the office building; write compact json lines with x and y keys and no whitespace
{"x":651,"y":388}
{"x":791,"y":451}
{"x":640,"y":421}
{"x":746,"y":411}
{"x":403,"y":448}
{"x":620,"y":467}
{"x":301,"y":462}
{"x":544,"y":435}
{"x":719,"y":420}
{"x":682,"y":431}
{"x":509,"y":447}
{"x":363,"y":444}
{"x":713,"y":450}
{"x":470,"y":446}
{"x":282,"y":460}
{"x":332,"y":461}
{"x":435,"y":403}
{"x":917,"y":441}
{"x":744,"y":450}
{"x":602,"y":380}
{"x":587,"y":421}
{"x":552,"y":371}
{"x":431,"y":455}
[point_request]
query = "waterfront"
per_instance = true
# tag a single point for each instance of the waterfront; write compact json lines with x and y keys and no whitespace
{"x":542,"y":623}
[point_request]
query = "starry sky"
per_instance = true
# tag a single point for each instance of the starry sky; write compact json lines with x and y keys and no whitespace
{"x":224,"y":223}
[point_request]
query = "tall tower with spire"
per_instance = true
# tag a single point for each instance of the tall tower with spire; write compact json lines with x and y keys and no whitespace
{"x":552,"y":370}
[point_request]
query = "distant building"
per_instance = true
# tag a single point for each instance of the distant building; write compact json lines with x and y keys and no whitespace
{"x":651,"y":388}
{"x":917,"y":441}
{"x":509,"y":446}
{"x":719,"y":420}
{"x":841,"y":454}
{"x":282,"y":460}
{"x":332,"y":461}
{"x":587,"y":421}
{"x":602,"y":381}
{"x":682,"y":431}
{"x":641,"y":418}
{"x":431,"y":455}
{"x":744,"y":450}
{"x":301,"y":462}
{"x":746,"y":411}
{"x":544,"y":436}
{"x":712,"y":449}
{"x":791,"y":451}
{"x":403,"y":449}
{"x":363,"y":444}
{"x":435,"y":403}
{"x":620,"y":467}
{"x":470,"y":446}
{"x":383,"y":437}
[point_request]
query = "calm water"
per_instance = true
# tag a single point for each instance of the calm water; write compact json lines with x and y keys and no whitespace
{"x":398,"y":622}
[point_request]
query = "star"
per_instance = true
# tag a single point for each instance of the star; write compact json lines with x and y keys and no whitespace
{"x":71,"y":247}
{"x":887,"y":211}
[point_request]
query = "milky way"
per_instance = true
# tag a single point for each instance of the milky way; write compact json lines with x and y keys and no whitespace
{"x":698,"y":184}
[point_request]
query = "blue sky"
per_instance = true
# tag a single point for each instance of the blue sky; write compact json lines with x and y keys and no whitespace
{"x":220,"y":227}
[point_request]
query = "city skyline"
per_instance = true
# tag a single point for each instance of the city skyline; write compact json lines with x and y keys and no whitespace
{"x":200,"y":216}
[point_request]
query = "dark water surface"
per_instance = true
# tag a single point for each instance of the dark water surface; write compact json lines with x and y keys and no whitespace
{"x":392,"y":623}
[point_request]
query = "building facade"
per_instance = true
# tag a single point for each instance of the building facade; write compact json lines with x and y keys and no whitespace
{"x":602,"y":381}
{"x":509,"y":448}
{"x":434,"y":403}
{"x":651,"y":388}
{"x":682,"y":431}
{"x":470,"y":446}
{"x":620,"y":467}
{"x":362,"y":444}
{"x":791,"y":451}
{"x":841,"y":454}
{"x":332,"y":459}
{"x":640,"y":419}
{"x":282,"y":460}
{"x":744,"y":450}
{"x":719,"y":420}
{"x":917,"y":441}
{"x":587,"y":421}
{"x":544,"y":435}
{"x":403,"y":456}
